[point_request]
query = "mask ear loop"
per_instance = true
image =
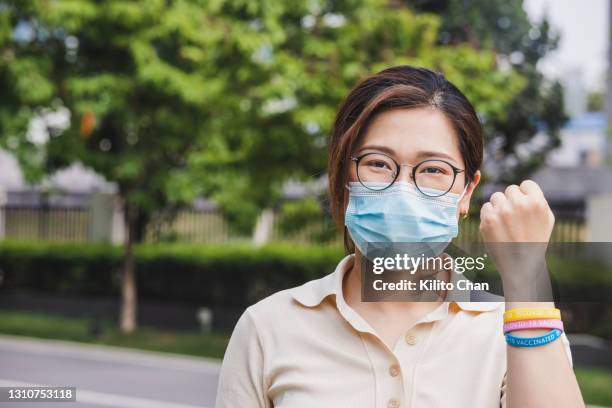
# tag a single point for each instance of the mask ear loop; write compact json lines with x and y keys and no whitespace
{"x":464,"y":216}
{"x":463,"y":193}
{"x":347,"y":185}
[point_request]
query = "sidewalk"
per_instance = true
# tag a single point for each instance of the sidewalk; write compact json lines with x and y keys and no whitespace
{"x":109,"y":376}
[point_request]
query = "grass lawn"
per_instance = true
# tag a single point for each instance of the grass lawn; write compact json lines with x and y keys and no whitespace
{"x":596,"y":385}
{"x":75,"y":329}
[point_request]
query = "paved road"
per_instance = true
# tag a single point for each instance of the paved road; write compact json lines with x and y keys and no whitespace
{"x":113,"y":377}
{"x":107,"y":376}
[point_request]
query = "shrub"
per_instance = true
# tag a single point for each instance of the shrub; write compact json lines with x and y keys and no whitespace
{"x":230,"y":275}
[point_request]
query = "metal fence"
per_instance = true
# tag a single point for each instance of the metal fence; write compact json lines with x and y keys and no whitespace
{"x":36,"y":215}
{"x":567,"y":229}
{"x":199,"y":226}
{"x":61,"y":224}
{"x":209,"y":226}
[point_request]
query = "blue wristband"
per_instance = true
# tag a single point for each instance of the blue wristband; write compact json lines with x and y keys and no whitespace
{"x":549,"y":337}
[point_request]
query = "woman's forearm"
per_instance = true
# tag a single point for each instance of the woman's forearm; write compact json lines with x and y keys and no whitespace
{"x":540,"y":376}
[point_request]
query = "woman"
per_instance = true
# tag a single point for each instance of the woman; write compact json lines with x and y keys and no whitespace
{"x":319,"y":345}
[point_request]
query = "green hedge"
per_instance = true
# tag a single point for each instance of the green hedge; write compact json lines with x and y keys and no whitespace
{"x":229,"y":275}
{"x":233,"y":276}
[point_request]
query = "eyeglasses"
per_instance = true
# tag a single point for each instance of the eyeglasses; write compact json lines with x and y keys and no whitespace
{"x":433,"y":177}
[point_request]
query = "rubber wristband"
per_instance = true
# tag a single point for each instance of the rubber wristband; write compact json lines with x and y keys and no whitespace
{"x":549,"y":337}
{"x":533,"y":324}
{"x":532,"y":313}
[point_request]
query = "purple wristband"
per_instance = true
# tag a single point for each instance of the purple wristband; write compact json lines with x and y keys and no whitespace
{"x":533,"y":324}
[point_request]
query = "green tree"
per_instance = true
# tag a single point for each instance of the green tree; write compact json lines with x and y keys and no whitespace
{"x":298,"y":61}
{"x":27,"y":87}
{"x":596,"y":101}
{"x":504,"y":26}
{"x":175,"y":99}
{"x":140,"y":100}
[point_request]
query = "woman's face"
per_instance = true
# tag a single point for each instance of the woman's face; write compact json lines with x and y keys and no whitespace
{"x":410,"y":136}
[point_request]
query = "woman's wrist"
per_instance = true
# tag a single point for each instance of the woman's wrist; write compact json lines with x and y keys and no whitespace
{"x":533,"y":288}
{"x":523,"y":305}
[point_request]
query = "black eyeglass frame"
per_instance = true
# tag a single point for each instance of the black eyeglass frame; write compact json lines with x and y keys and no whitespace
{"x":456,"y":170}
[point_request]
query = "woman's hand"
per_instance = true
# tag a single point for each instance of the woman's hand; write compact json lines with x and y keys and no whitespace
{"x":516,"y":226}
{"x":520,"y":214}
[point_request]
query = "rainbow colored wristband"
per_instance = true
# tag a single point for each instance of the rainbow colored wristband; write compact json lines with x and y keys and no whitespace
{"x":549,"y":337}
{"x":533,"y":324}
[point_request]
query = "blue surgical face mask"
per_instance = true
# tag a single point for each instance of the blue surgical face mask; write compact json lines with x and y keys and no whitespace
{"x":401,"y":214}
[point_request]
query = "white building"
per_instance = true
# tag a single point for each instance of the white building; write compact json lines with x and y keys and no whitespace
{"x":583,"y":142}
{"x":73,"y":179}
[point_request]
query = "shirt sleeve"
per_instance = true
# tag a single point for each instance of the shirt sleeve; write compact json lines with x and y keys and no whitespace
{"x":568,"y":351}
{"x":241,"y":381}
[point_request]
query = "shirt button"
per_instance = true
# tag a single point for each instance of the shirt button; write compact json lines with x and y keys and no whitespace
{"x":394,"y":370}
{"x":393,"y":403}
{"x":411,"y":338}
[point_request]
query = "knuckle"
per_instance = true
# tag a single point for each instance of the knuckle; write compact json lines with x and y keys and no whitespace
{"x":506,"y":211}
{"x":511,"y":188}
{"x":542,"y":205}
{"x":528,"y":182}
{"x":539,"y":203}
{"x":486,"y":218}
{"x":485,"y":225}
{"x":497,"y":195}
{"x":486,"y":209}
{"x":531,"y":187}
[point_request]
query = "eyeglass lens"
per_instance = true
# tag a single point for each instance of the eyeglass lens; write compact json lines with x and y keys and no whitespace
{"x":431,"y":177}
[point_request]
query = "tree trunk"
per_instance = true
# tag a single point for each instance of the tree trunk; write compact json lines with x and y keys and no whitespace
{"x":129,"y":291}
{"x":136,"y":221}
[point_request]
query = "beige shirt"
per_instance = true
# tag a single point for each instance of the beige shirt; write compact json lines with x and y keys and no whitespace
{"x":304,"y":347}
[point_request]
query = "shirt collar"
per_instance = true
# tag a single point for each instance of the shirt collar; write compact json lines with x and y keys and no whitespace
{"x":312,"y":293}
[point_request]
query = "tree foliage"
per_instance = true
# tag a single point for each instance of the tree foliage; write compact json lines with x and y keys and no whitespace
{"x":228,"y":98}
{"x":504,"y":27}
